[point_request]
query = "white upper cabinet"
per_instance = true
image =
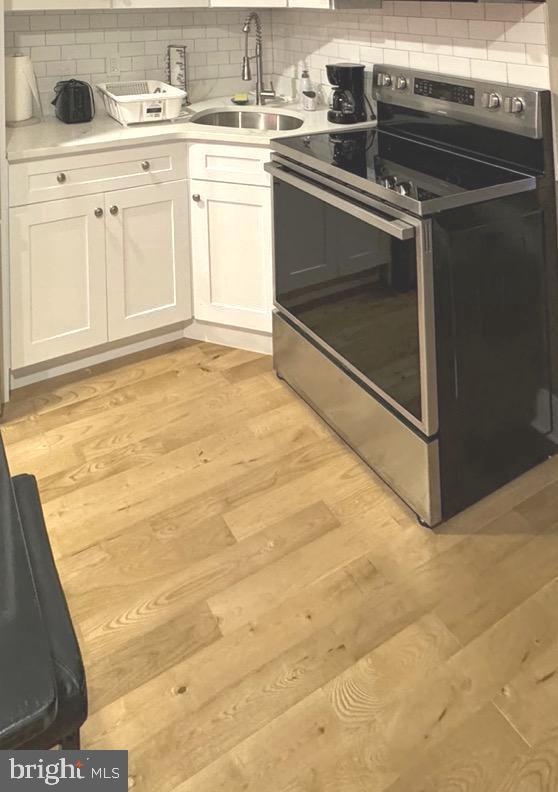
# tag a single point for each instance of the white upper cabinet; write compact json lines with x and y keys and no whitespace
{"x":55,"y":5}
{"x":57,"y":279}
{"x":240,"y":4}
{"x":148,"y":283}
{"x":83,"y":5}
{"x":309,"y":4}
{"x":120,"y":4}
{"x":71,"y":5}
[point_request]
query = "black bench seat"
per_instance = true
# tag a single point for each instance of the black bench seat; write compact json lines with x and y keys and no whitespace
{"x":43,"y":694}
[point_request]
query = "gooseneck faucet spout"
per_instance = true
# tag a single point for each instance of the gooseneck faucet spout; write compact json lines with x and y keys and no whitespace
{"x":261,"y":92}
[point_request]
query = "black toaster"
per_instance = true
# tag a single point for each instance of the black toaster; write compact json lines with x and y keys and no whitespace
{"x":74,"y":101}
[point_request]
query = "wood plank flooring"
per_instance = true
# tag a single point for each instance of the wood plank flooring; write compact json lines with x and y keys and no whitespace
{"x":259,"y":613}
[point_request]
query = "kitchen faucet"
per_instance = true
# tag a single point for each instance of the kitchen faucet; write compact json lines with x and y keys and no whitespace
{"x":261,"y":92}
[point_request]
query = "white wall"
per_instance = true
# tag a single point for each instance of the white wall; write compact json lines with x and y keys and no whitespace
{"x":78,"y":45}
{"x":504,"y":42}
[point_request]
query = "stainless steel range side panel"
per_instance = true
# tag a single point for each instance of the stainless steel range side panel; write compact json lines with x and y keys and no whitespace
{"x":399,"y":455}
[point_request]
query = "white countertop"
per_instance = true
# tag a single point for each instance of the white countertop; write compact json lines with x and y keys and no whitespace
{"x":53,"y":138}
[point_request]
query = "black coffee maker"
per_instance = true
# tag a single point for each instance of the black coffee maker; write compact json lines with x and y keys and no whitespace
{"x":347,"y":101}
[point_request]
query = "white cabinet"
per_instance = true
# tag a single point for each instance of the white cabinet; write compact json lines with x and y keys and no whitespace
{"x":147,"y":258}
{"x":55,"y":5}
{"x":309,"y":4}
{"x":229,"y":163}
{"x":54,"y":178}
{"x":240,"y":4}
{"x":97,"y":268}
{"x":73,"y":5}
{"x":232,"y":254}
{"x":58,"y":279}
{"x":154,"y":4}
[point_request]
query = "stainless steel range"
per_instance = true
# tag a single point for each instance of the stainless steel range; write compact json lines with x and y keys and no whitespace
{"x":415,"y":284}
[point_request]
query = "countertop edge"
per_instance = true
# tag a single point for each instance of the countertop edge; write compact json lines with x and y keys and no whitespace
{"x":30,"y":143}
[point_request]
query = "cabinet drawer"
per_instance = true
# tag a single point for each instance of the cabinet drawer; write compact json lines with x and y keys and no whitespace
{"x":85,"y":174}
{"x":233,"y":164}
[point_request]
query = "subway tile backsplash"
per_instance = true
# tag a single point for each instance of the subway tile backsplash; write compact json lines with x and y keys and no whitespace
{"x":505,"y":42}
{"x":85,"y":45}
{"x":496,"y":41}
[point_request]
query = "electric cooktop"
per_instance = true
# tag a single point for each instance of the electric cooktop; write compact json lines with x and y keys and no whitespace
{"x":417,"y":176}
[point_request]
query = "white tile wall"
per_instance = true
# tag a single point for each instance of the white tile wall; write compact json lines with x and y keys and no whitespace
{"x":496,"y":41}
{"x":79,"y":45}
{"x":505,"y":42}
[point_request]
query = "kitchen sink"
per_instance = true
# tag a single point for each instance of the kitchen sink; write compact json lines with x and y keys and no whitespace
{"x":248,"y":119}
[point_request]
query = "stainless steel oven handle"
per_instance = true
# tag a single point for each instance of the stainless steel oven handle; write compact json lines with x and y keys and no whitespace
{"x":395,"y":228}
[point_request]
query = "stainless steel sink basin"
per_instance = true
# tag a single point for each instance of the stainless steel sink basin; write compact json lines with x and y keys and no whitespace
{"x":249,"y":119}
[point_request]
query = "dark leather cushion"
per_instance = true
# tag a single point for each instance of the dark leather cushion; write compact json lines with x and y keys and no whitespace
{"x":66,"y":656}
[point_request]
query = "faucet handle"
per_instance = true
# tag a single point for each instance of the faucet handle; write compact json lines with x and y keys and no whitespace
{"x":269,"y":93}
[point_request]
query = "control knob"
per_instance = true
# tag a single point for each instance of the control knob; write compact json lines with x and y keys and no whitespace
{"x":513,"y":104}
{"x":401,"y":83}
{"x":490,"y":100}
{"x":384,"y":79}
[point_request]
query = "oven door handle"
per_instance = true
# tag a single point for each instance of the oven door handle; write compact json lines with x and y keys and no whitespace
{"x":395,"y":228}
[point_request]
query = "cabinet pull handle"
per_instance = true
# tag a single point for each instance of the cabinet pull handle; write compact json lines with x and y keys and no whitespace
{"x":114,"y":210}
{"x":61,"y":178}
{"x":196,"y":197}
{"x":145,"y":165}
{"x":99,"y":212}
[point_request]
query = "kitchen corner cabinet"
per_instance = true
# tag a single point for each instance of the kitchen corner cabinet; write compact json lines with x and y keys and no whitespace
{"x":57,"y":279}
{"x":232,"y":253}
{"x":88,"y":270}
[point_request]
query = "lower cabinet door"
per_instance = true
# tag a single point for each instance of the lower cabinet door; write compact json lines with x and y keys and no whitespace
{"x":57,"y":279}
{"x":148,"y":262}
{"x":231,"y":254}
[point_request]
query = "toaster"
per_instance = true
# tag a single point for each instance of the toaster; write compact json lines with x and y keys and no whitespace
{"x":74,"y":102}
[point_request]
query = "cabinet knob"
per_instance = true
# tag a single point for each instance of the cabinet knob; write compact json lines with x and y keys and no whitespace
{"x":99,"y":212}
{"x":196,"y":197}
{"x":114,"y":210}
{"x":145,"y":165}
{"x":61,"y":178}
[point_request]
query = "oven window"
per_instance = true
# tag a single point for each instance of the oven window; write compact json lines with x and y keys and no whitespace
{"x":353,"y":286}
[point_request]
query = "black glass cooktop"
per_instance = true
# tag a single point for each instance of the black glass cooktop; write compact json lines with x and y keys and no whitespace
{"x":414,"y":175}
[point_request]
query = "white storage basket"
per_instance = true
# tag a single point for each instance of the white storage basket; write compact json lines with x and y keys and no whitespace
{"x":141,"y":101}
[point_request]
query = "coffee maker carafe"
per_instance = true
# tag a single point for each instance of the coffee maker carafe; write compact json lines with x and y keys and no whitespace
{"x":347,"y":100}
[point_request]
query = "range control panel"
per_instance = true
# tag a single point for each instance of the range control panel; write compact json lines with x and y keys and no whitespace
{"x":461,"y":94}
{"x":497,"y":105}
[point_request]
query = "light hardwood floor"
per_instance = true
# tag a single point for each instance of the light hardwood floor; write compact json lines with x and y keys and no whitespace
{"x":259,"y":613}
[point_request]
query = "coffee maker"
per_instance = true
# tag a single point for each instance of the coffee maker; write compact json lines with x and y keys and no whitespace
{"x":347,"y":100}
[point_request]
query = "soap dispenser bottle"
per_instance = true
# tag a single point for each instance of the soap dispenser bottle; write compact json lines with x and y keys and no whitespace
{"x":308,"y":95}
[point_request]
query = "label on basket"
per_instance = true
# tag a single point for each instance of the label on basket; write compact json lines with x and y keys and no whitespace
{"x":67,"y":770}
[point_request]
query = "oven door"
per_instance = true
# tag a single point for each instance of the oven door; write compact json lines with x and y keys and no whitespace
{"x":355,"y":275}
